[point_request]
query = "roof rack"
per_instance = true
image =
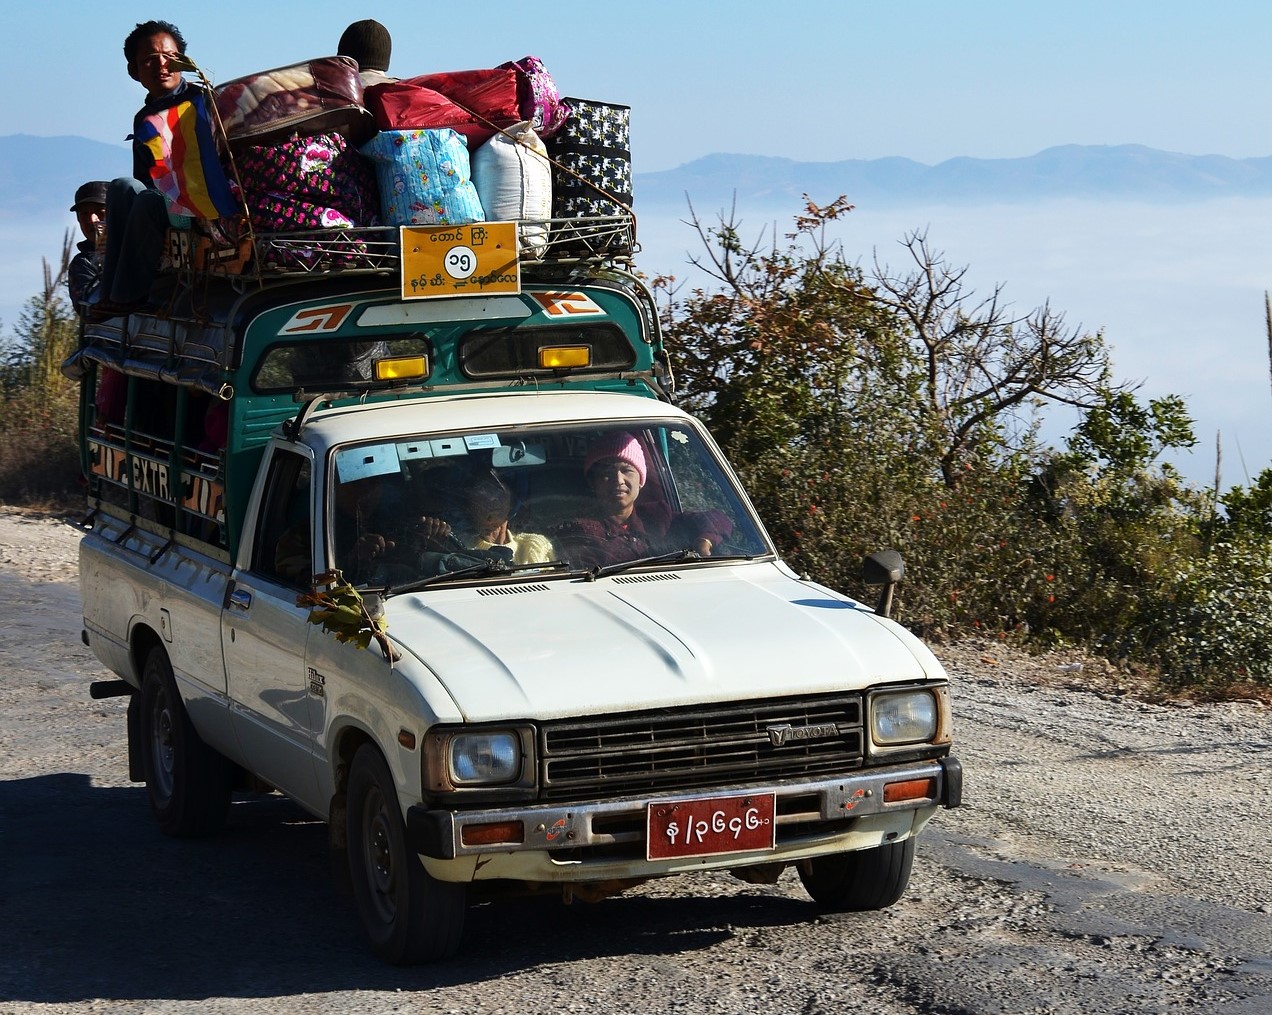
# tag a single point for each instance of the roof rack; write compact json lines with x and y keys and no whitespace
{"x":544,"y":243}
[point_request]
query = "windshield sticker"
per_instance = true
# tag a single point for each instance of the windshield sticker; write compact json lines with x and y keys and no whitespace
{"x":447,"y":446}
{"x":413,"y":450}
{"x":679,"y":436}
{"x":364,"y":462}
{"x":481,"y":441}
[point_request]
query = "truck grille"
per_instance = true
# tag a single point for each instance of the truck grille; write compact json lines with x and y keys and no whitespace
{"x":674,"y":749}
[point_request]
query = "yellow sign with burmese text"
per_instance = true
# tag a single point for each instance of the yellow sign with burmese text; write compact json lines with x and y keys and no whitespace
{"x":475,"y":259}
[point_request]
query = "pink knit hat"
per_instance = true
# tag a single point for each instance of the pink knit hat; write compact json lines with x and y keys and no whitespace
{"x":616,"y":445}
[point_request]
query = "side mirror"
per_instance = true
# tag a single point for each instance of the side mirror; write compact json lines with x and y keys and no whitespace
{"x":886,"y":568}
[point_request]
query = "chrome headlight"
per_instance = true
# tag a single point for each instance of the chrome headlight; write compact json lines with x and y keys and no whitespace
{"x":485,"y":759}
{"x":478,"y":760}
{"x":903,"y":717}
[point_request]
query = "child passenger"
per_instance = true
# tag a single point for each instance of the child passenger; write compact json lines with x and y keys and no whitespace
{"x":488,"y":504}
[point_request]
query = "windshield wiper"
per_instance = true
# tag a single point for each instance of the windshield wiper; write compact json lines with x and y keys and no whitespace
{"x":675,"y":557}
{"x":488,"y":567}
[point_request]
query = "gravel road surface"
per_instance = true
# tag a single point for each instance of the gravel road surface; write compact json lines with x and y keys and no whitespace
{"x":1113,"y":856}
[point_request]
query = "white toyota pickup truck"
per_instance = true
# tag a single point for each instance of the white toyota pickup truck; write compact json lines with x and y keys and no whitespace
{"x":459,"y":579}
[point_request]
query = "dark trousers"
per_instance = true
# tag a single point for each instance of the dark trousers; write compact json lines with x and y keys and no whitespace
{"x":136,"y":222}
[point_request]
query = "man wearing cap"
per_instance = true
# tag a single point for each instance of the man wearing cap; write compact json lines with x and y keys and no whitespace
{"x":86,"y":266}
{"x":368,"y":43}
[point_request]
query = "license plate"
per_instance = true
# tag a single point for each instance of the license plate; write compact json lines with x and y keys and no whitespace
{"x":712,"y":825}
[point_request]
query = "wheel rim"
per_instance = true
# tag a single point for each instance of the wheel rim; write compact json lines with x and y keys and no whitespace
{"x":378,"y":860}
{"x":162,"y":750}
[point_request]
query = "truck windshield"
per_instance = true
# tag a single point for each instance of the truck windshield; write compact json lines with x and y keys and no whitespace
{"x":568,"y":498}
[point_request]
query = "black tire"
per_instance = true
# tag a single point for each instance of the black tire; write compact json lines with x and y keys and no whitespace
{"x":409,"y":916}
{"x":188,"y":783}
{"x":862,"y":880}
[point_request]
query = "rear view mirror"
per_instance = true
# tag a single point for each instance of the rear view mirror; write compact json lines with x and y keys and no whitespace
{"x":520,"y":453}
{"x":886,"y":568}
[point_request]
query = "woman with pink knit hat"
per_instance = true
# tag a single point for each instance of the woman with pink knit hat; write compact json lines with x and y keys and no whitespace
{"x":621,"y":526}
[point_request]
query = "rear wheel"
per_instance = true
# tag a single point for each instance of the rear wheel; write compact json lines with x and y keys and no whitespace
{"x":409,"y":916}
{"x":862,"y":880}
{"x":188,"y":783}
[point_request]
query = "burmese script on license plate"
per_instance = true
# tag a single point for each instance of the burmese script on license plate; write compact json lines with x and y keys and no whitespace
{"x":712,"y":825}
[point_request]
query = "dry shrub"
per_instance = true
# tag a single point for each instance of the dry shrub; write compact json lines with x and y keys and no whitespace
{"x":39,"y":456}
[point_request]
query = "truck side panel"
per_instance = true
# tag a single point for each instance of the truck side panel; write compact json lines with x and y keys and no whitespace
{"x":264,"y":634}
{"x":136,"y":586}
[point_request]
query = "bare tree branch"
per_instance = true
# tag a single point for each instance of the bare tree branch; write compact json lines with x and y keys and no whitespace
{"x":979,"y":361}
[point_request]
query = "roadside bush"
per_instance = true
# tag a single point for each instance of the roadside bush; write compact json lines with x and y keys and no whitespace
{"x":974,"y":562}
{"x":39,"y":451}
{"x":39,"y":412}
{"x":1215,"y":627}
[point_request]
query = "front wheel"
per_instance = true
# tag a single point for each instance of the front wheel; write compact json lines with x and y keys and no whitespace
{"x":409,"y":916}
{"x":862,"y":880}
{"x":188,"y":783}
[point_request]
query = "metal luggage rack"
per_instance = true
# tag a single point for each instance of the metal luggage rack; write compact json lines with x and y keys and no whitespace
{"x":375,"y":249}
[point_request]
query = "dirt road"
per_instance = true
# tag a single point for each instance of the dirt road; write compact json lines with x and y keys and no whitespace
{"x":1113,"y":856}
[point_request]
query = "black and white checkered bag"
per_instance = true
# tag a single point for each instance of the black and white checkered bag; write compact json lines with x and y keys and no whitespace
{"x":592,"y":175}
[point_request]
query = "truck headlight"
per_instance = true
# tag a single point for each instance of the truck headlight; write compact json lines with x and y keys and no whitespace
{"x":904,"y":717}
{"x":485,"y":759}
{"x":478,"y":761}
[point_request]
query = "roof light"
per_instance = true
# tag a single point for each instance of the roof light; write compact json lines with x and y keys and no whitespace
{"x":401,"y":368}
{"x":563,"y":357}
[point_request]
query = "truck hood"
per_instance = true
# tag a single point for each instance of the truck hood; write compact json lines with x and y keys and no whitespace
{"x":556,"y":648}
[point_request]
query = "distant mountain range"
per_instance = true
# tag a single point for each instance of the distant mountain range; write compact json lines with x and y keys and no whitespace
{"x":1113,"y":172}
{"x":38,"y":176}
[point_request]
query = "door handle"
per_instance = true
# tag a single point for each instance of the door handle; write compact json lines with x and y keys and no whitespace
{"x":241,"y":599}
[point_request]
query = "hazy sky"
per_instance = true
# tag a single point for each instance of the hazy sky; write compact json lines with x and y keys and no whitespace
{"x":815,"y":81}
{"x":1178,"y":292}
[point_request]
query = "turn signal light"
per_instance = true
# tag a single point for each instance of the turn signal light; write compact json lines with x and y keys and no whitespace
{"x":911,"y":789}
{"x":497,"y":833}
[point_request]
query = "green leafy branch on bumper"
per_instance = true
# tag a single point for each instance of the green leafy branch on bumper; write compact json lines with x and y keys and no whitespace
{"x":341,"y":611}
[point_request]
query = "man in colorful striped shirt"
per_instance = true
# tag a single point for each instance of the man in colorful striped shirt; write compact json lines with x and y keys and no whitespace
{"x":136,"y":209}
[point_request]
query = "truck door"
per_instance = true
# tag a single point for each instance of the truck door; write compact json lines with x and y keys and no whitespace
{"x":264,"y":632}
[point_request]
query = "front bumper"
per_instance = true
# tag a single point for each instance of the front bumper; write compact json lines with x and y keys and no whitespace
{"x":610,"y":832}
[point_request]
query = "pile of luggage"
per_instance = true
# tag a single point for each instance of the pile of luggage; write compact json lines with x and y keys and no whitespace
{"x":312,"y":149}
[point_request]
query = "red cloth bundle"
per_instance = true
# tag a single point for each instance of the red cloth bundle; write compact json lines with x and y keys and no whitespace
{"x":477,"y":103}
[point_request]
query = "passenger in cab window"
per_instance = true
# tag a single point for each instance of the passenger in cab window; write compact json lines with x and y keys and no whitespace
{"x":488,"y":504}
{"x":379,"y":535}
{"x":362,"y":522}
{"x":361,"y":527}
{"x":623,"y":527}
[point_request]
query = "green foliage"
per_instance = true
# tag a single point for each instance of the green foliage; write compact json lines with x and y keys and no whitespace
{"x":881,"y":410}
{"x":1249,"y":511}
{"x":1120,"y":524}
{"x":339,"y":609}
{"x":763,"y":359}
{"x":39,"y":456}
{"x":1127,"y":436}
